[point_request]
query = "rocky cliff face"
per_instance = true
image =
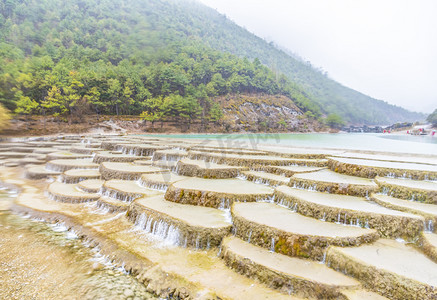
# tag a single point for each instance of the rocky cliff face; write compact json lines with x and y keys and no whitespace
{"x":254,"y":113}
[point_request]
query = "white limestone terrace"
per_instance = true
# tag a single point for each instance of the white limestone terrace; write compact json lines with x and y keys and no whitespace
{"x":372,"y":168}
{"x":62,"y":165}
{"x":428,"y":211}
{"x":204,"y":169}
{"x":160,"y":181}
{"x":326,"y":175}
{"x":275,"y":240}
{"x":302,"y":277}
{"x":189,"y":226}
{"x":125,"y":190}
{"x":265,"y":178}
{"x":409,"y":183}
{"x":351,"y":210}
{"x":395,"y":269}
{"x":70,"y":193}
{"x":279,"y":229}
{"x":398,"y":157}
{"x":129,"y":171}
{"x":66,"y":155}
{"x":217,"y":193}
{"x":169,"y":154}
{"x":388,"y":164}
{"x":290,"y":170}
{"x":77,"y":175}
{"x":333,"y":182}
{"x":241,"y":160}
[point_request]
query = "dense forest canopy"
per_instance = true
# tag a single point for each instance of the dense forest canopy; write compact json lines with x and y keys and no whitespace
{"x":161,"y":59}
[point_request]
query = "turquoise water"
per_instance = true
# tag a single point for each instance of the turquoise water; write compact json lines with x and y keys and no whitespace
{"x":352,"y":141}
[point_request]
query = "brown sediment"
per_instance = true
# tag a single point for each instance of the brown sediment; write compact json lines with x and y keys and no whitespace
{"x":276,"y":228}
{"x":352,"y":211}
{"x":202,"y":169}
{"x":335,"y":183}
{"x":407,"y":189}
{"x":389,"y":268}
{"x":216,"y":192}
{"x":371,"y":169}
{"x":288,"y":274}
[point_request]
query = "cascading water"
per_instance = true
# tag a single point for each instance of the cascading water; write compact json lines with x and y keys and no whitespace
{"x":160,"y":229}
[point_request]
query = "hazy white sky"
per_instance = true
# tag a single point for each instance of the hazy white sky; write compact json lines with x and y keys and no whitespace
{"x":386,"y":49}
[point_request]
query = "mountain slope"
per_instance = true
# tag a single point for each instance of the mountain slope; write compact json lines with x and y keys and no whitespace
{"x":222,"y":34}
{"x":155,"y":56}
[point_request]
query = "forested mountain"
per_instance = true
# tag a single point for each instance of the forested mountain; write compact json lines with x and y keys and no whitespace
{"x":162,"y":59}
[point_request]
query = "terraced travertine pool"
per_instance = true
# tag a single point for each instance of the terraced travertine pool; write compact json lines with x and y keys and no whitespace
{"x":198,"y":220}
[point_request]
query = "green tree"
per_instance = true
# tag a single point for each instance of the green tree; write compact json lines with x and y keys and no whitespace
{"x":334,"y":121}
{"x":4,"y":117}
{"x":282,"y":124}
{"x":26,"y":107}
{"x":54,"y":103}
{"x":432,"y":118}
{"x":155,"y":110}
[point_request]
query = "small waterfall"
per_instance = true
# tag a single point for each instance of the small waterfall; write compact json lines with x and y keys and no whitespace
{"x":118,"y":195}
{"x":250,"y":235}
{"x":366,"y":225}
{"x":198,"y":242}
{"x":154,"y":157}
{"x":323,"y":261}
{"x":324,"y":217}
{"x":141,"y":222}
{"x":162,"y":187}
{"x":429,"y":226}
{"x":160,"y":229}
{"x":225,"y":204}
{"x":272,"y":245}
